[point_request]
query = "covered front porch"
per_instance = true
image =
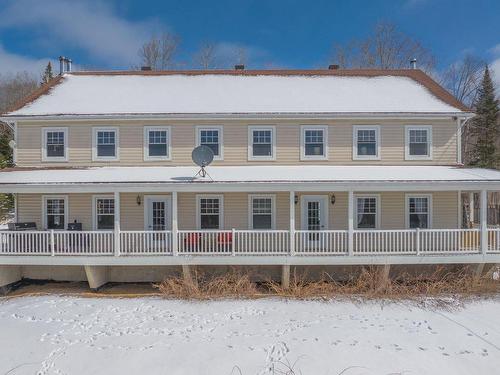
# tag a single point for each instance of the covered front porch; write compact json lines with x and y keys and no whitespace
{"x":416,"y":216}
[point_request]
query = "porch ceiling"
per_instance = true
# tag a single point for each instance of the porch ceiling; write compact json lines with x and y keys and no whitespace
{"x":249,"y":178}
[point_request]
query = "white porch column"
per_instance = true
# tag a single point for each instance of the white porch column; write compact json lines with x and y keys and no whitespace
{"x":484,"y":221}
{"x":350,"y":223}
{"x":117,"y":223}
{"x":175,"y":226}
{"x":292,"y":223}
{"x":471,"y":206}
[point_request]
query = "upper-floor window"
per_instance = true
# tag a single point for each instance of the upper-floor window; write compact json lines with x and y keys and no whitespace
{"x":418,"y":143}
{"x":157,"y":143}
{"x":314,"y":143}
{"x":261,"y":143}
{"x":104,"y":213}
{"x":105,"y":144}
{"x":55,"y":210}
{"x":55,"y":144}
{"x":262,"y":211}
{"x":212,"y":138}
{"x":366,"y":142}
{"x":210,"y":211}
{"x":419,"y":211}
{"x":367,"y":212}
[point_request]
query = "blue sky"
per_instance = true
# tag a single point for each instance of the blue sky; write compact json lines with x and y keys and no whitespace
{"x":293,"y":33}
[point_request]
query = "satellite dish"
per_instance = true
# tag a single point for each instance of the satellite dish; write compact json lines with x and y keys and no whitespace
{"x":12,"y":143}
{"x":202,"y":156}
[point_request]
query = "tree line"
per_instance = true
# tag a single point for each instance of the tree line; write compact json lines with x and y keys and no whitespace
{"x":386,"y":47}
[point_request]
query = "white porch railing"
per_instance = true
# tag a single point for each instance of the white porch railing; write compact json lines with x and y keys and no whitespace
{"x":327,"y":242}
{"x":250,"y":242}
{"x":136,"y":242}
{"x":446,"y":241}
{"x":370,"y":242}
{"x":205,"y":242}
{"x":82,"y":243}
{"x":494,"y":240}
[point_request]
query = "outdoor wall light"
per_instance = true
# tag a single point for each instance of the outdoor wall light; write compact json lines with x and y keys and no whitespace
{"x":138,"y":200}
{"x":296,"y":199}
{"x":332,"y":199}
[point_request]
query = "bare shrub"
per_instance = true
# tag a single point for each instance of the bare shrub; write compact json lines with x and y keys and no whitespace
{"x":367,"y":284}
{"x":203,"y":286}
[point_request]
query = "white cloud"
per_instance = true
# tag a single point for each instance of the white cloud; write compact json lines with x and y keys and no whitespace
{"x":12,"y":63}
{"x":90,"y":26}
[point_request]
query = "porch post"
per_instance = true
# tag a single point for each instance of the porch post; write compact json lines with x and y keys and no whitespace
{"x":471,"y":207}
{"x":292,"y":223}
{"x":350,"y":223}
{"x":117,"y":223}
{"x":174,"y":223}
{"x":484,"y":221}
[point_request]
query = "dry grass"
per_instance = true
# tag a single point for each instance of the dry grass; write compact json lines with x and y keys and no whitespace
{"x":201,"y":286}
{"x":369,"y":283}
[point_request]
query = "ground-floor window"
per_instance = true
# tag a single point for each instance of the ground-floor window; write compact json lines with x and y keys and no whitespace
{"x":210,"y":212}
{"x":367,"y":212}
{"x":55,"y":212}
{"x":419,"y":211}
{"x":261,"y":208}
{"x":104,"y":213}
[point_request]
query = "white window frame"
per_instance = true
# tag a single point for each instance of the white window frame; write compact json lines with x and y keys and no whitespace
{"x":251,"y":129}
{"x":407,"y":208}
{"x":408,"y":128}
{"x":355,"y":155}
{"x":251,"y":197}
{"x":199,"y":197}
{"x":47,"y":158}
{"x":94,"y":210}
{"x":147,"y":129}
{"x":377,"y":212}
{"x":45,"y":198}
{"x":95,"y":130}
{"x":303,"y":155}
{"x":220,"y":129}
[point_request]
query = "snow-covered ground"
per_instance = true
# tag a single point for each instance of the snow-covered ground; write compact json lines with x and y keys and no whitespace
{"x":71,"y":335}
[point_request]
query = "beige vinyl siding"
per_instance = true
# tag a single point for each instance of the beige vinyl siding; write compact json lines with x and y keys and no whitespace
{"x":131,"y":135}
{"x":392,"y":210}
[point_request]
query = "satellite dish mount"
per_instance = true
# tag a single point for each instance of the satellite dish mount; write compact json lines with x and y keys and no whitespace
{"x":202,"y":156}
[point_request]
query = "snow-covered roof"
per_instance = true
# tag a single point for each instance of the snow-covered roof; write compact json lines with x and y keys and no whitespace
{"x":246,"y":174}
{"x":248,"y":92}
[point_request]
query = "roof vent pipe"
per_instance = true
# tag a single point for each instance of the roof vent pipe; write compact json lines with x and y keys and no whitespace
{"x":61,"y":65}
{"x":413,"y":63}
{"x":239,"y":67}
{"x":333,"y":67}
{"x":68,"y":65}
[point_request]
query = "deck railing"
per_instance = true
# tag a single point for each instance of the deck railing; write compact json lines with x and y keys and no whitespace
{"x":327,"y":242}
{"x":250,"y":242}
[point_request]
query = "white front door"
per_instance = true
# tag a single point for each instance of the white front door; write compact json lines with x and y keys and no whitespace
{"x":157,"y":213}
{"x":314,"y":212}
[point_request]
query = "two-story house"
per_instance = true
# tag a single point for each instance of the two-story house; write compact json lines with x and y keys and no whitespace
{"x":323,"y":167}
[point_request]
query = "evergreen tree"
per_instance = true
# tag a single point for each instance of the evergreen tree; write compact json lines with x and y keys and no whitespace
{"x":485,"y":125}
{"x":47,"y":74}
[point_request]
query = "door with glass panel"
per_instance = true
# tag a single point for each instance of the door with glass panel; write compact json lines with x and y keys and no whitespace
{"x":314,"y":216}
{"x":157,"y":220}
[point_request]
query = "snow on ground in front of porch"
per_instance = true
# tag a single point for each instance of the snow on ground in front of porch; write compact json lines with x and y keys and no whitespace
{"x":70,"y":335}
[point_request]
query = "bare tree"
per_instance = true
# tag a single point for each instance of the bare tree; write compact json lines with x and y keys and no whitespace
{"x":463,"y":79}
{"x":206,"y":57}
{"x":159,"y":52}
{"x":386,"y":48}
{"x":13,"y":88}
